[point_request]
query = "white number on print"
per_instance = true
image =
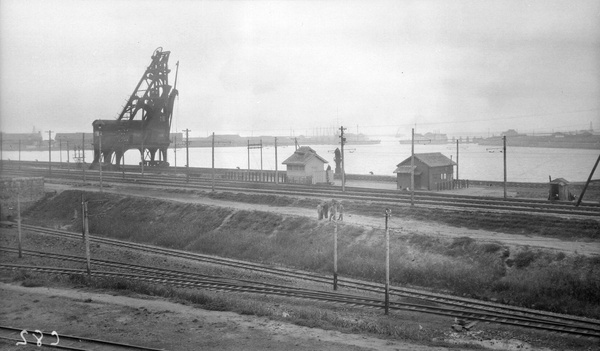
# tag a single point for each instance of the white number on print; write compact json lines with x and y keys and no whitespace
{"x":39,"y":340}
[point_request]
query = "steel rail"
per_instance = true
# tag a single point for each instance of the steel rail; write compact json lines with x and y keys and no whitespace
{"x":161,"y":272}
{"x":79,"y":339}
{"x":349,"y":283}
{"x":329,"y":297}
{"x":382,"y":196}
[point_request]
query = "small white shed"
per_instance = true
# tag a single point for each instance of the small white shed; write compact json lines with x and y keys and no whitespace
{"x":305,"y":166}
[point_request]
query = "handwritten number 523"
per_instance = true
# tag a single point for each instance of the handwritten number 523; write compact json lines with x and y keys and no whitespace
{"x":39,"y":340}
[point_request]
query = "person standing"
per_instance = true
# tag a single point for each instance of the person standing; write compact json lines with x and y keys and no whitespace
{"x":340,"y":211}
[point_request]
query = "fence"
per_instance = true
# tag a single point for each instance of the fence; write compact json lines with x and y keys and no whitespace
{"x":256,"y":176}
{"x":452,"y":184}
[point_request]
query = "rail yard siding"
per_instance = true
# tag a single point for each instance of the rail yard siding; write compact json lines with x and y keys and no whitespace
{"x":29,"y":189}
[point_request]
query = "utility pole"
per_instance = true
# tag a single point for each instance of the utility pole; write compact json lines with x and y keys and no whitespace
{"x":456,"y":159}
{"x":19,"y":154}
{"x":83,"y":216}
{"x":175,"y":151}
{"x":276,"y":171}
{"x":255,"y":146}
{"x":388,"y":214}
{"x":143,"y":151}
{"x":83,"y":155}
{"x":342,"y":141}
{"x":68,"y":161}
{"x":60,"y":153}
{"x":187,"y":155}
{"x":335,"y":259}
{"x":587,"y":182}
{"x":19,"y":221}
{"x":50,"y":152}
{"x":213,"y":162}
{"x":100,"y":152}
{"x":504,"y":153}
{"x":412,"y":168}
{"x":123,"y":139}
{"x":86,"y":238}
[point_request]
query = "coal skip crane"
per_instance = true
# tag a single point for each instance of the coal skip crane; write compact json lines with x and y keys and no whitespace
{"x":152,"y":102}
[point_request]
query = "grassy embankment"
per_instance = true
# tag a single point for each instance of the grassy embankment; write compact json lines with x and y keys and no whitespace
{"x":544,"y":280}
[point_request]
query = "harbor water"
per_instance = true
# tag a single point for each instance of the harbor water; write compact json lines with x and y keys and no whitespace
{"x":477,"y":162}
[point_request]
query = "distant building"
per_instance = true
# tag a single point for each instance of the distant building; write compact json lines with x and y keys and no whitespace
{"x":305,"y":166}
{"x":510,"y":133}
{"x":430,"y":169}
{"x":11,"y":141}
{"x":75,"y":140}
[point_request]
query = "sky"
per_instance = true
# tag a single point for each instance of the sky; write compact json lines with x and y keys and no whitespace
{"x":462,"y":67}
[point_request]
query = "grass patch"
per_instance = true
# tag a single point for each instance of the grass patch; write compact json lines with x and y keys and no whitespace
{"x":555,"y":282}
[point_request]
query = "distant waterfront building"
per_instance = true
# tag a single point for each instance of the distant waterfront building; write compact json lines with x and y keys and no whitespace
{"x":307,"y":167}
{"x":10,"y":141}
{"x":510,"y":133}
{"x":75,"y":140}
{"x":430,"y":169}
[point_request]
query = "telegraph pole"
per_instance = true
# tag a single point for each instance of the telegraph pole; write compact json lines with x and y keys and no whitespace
{"x":213,"y":162}
{"x":50,"y":152}
{"x":388,"y":214}
{"x":456,"y":159}
{"x":83,"y":155}
{"x":276,"y":171}
{"x":19,"y":221}
{"x":335,"y":258}
{"x":68,"y":161}
{"x":342,"y":141}
{"x":143,"y":151}
{"x":412,"y":168}
{"x":255,"y":146}
{"x":19,"y":154}
{"x":100,"y":152}
{"x":187,"y":155}
{"x":86,"y":238}
{"x":504,"y":153}
{"x":587,"y":182}
{"x":175,"y":151}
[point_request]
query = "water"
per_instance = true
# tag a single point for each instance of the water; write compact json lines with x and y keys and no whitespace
{"x":475,"y":161}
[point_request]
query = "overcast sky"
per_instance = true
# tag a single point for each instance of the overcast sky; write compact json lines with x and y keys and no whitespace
{"x":271,"y":67}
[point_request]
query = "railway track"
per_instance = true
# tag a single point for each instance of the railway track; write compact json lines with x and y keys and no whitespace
{"x":24,"y":337}
{"x":384,"y":197}
{"x":443,"y":304}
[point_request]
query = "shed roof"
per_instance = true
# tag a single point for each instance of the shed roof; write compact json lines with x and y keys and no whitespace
{"x":302,"y":156}
{"x":559,"y":181}
{"x":432,"y":159}
{"x":406,"y":170}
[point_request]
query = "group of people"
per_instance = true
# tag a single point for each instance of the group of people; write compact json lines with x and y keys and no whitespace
{"x":331,"y":210}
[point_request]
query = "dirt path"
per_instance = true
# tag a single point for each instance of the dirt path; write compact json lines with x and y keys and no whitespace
{"x":396,"y":224}
{"x":157,"y":323}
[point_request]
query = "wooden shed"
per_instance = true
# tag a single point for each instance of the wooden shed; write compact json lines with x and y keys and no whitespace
{"x":559,"y":190}
{"x":305,"y":166}
{"x":432,"y":171}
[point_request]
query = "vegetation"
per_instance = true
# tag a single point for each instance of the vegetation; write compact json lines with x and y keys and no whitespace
{"x":550,"y":281}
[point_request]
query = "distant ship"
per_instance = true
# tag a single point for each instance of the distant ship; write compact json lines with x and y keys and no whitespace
{"x":237,"y":140}
{"x":576,"y":140}
{"x":427,"y":138}
{"x":334,"y":139}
